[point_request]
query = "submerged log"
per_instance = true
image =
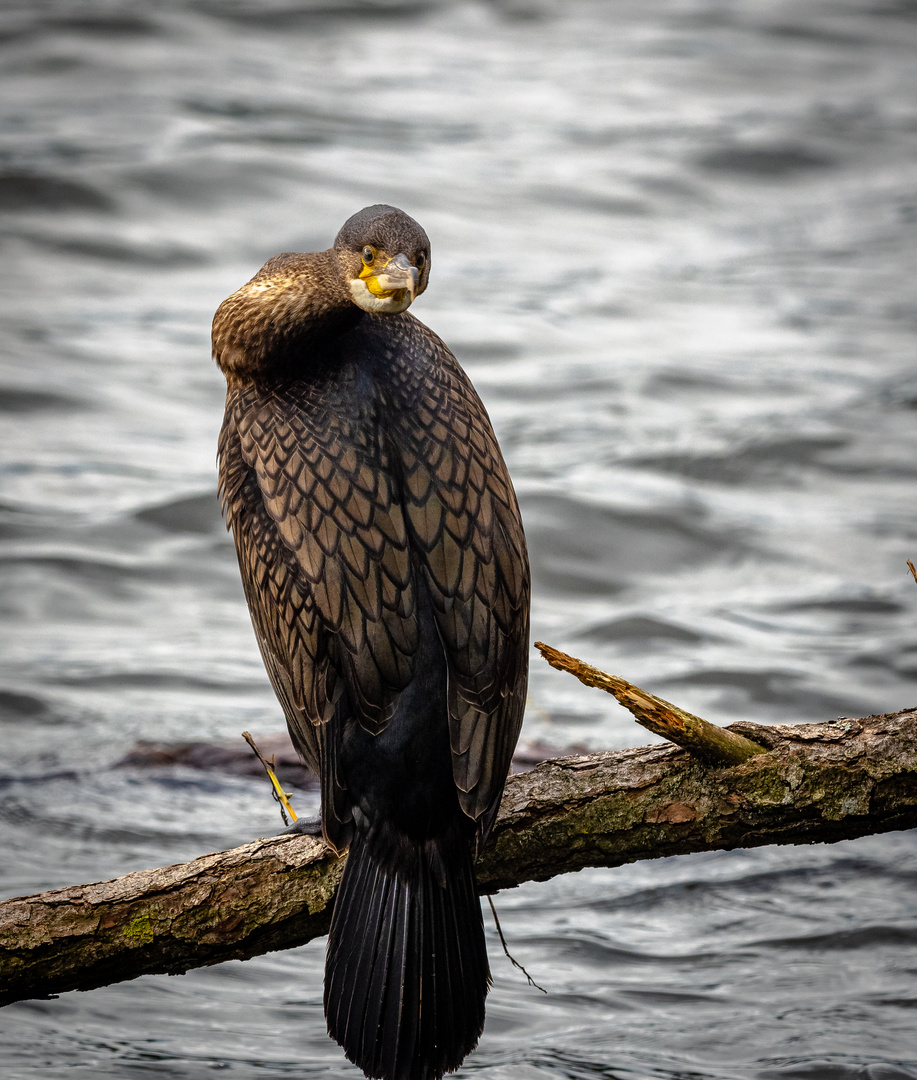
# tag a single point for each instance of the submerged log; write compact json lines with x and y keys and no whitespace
{"x":810,"y":783}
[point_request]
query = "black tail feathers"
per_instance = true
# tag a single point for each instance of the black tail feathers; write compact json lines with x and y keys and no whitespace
{"x":406,"y":971}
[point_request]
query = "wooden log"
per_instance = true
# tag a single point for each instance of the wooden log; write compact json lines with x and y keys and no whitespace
{"x":816,"y":783}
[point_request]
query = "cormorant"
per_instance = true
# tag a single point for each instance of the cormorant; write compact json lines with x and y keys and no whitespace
{"x":385,"y":569}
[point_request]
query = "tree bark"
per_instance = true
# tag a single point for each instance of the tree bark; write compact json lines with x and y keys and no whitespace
{"x":812,"y":783}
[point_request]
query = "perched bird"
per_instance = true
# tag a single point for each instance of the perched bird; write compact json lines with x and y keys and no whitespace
{"x":385,"y":568}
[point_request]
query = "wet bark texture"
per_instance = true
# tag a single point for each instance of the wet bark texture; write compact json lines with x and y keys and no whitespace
{"x":813,"y":783}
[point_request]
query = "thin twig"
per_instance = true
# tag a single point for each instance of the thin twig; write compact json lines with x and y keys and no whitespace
{"x":509,"y":956}
{"x":280,"y":796}
{"x":912,"y":569}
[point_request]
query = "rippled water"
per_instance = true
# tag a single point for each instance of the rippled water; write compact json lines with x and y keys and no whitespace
{"x":675,"y":246}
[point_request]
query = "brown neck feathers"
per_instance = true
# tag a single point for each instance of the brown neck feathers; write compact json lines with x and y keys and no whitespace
{"x":279,"y":323}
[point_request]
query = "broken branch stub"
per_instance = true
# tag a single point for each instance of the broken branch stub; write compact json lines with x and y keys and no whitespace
{"x":709,"y":741}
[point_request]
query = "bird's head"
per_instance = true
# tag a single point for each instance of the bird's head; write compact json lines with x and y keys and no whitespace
{"x":384,"y":259}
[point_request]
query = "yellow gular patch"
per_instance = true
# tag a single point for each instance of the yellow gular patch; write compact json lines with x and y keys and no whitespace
{"x":389,"y":303}
{"x":367,"y":275}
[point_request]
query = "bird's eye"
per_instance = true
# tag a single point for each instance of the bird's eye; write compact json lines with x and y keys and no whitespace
{"x":420,"y":260}
{"x":368,"y":255}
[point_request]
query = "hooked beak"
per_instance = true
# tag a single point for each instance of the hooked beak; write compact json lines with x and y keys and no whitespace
{"x":398,"y":274}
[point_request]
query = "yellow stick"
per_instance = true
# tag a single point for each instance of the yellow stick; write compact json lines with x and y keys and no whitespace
{"x":279,"y":794}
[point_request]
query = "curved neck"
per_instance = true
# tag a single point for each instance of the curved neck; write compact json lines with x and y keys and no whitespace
{"x":280,"y":323}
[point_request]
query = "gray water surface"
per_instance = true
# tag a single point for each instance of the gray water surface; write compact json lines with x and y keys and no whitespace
{"x":675,"y":246}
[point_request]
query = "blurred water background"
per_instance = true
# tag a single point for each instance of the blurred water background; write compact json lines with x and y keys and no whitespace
{"x":675,"y":246}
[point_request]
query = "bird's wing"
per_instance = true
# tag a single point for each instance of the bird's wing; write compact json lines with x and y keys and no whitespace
{"x":327,"y":563}
{"x":324,"y":553}
{"x":463,"y":519}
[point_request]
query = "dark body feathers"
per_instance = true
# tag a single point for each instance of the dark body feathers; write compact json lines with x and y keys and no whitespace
{"x":385,"y":569}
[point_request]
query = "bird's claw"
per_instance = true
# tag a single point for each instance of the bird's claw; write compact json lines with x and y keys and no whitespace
{"x":304,"y":827}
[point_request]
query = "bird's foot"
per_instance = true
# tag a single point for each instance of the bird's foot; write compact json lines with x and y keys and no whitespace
{"x":304,"y":827}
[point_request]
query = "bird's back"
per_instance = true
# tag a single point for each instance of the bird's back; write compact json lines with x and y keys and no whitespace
{"x":381,"y":549}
